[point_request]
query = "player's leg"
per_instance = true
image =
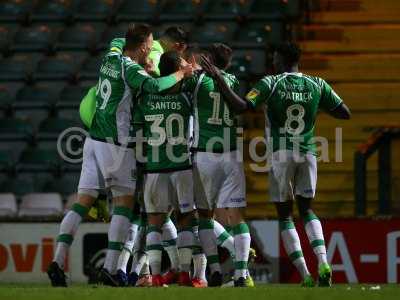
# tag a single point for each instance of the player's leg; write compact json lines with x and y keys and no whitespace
{"x":224,"y":238}
{"x":233,"y":197}
{"x":88,"y":191}
{"x":170,"y":238}
{"x":306,"y":179}
{"x":182,"y":183}
{"x":281,"y":178}
{"x":157,"y":203}
{"x":118,"y":166}
{"x":206,"y":182}
{"x":199,"y":259}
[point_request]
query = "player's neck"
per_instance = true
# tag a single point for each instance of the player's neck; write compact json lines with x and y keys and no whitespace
{"x":292,"y":69}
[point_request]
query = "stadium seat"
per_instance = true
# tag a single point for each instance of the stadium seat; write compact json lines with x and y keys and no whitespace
{"x":6,"y":99}
{"x":90,"y":68}
{"x":51,"y":11}
{"x":213,"y":32}
{"x":225,"y":9}
{"x":8,"y":205}
{"x":110,"y":33}
{"x":14,"y":10}
{"x":71,"y":96}
{"x":18,"y":186}
{"x":179,"y":10}
{"x":7,"y":160}
{"x":260,"y":34}
{"x":35,"y":159}
{"x":35,"y":38}
{"x":273,"y":9}
{"x":248,"y":63}
{"x":65,"y":185}
{"x":79,"y":37}
{"x":13,"y":129}
{"x":138,"y":10}
{"x":94,"y":10}
{"x":56,"y":68}
{"x":55,"y":125}
{"x":40,"y":96}
{"x":41,"y":205}
{"x":16,"y":68}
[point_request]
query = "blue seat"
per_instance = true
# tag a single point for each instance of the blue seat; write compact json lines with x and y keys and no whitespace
{"x":248,"y":63}
{"x":71,"y":96}
{"x":90,"y":68}
{"x":36,"y":159}
{"x":19,"y":186}
{"x":138,"y":10}
{"x":51,"y":11}
{"x":65,"y":185}
{"x":179,"y":10}
{"x":15,"y":68}
{"x":13,"y":129}
{"x":261,"y":34}
{"x":225,"y":9}
{"x":274,"y":9}
{"x":94,"y":10}
{"x":39,"y":96}
{"x":79,"y":37}
{"x":14,"y":10}
{"x":35,"y":38}
{"x":6,"y":99}
{"x":213,"y":32}
{"x":61,"y":67}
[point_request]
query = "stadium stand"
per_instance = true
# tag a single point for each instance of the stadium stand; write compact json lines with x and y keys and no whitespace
{"x":41,"y":205}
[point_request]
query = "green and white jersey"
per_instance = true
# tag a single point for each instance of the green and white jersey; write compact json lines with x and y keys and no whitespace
{"x":214,"y":125}
{"x":164,"y":119}
{"x":292,"y":102}
{"x":120,"y":80}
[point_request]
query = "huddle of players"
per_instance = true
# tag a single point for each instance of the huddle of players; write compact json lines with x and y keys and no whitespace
{"x":161,"y":109}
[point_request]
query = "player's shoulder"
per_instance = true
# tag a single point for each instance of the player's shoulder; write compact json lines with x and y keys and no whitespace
{"x":318,"y":81}
{"x":270,"y":80}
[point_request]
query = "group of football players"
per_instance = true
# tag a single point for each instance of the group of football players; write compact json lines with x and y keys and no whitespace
{"x":163,"y":140}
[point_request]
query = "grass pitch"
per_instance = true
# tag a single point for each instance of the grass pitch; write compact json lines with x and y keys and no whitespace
{"x":266,"y":292}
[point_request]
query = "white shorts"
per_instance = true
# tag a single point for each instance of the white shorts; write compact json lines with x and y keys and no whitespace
{"x":163,"y":191}
{"x":106,"y":165}
{"x":291,"y":175}
{"x":219,"y":180}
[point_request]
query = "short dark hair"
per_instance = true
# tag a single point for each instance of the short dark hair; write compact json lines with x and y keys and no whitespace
{"x":176,"y":34}
{"x":221,"y":55}
{"x":290,"y":53}
{"x":136,"y":35}
{"x":170,"y":62}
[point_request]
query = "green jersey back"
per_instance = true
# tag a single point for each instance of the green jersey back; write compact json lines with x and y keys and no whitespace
{"x":214,"y":125}
{"x":292,"y":101}
{"x":164,"y":119}
{"x":119,"y":79}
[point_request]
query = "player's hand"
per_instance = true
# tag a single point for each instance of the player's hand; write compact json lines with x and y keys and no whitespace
{"x":186,"y":68}
{"x":207,"y":66}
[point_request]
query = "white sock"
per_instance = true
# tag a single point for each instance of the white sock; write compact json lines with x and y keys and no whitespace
{"x":139,"y":259}
{"x":117,"y":233}
{"x":209,"y":244}
{"x":185,"y":246}
{"x":145,"y":269}
{"x":169,"y":237}
{"x":242,"y":247}
{"x":128,"y":247}
{"x":139,"y":250}
{"x":154,"y":248}
{"x":68,"y":228}
{"x":224,"y":239}
{"x":291,"y":242}
{"x":316,"y":237}
{"x":199,"y":266}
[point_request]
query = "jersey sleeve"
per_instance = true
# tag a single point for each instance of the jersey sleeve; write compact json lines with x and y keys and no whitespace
{"x":117,"y":45}
{"x":137,"y":78}
{"x":260,"y":92}
{"x":329,"y":99}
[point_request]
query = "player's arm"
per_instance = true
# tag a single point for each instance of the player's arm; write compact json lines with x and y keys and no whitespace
{"x":138,"y":78}
{"x":117,"y":45}
{"x":332,"y":103}
{"x":155,"y":56}
{"x":235,"y":102}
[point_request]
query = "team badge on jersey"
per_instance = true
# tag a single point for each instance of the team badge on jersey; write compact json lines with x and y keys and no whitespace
{"x":252,"y":94}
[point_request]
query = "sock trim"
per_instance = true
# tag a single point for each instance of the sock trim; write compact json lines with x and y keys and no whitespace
{"x":317,"y":243}
{"x":295,"y":255}
{"x":197,"y":250}
{"x":115,"y":245}
{"x":240,"y":265}
{"x":135,"y":219}
{"x":65,"y":238}
{"x":223,"y":237}
{"x":212,"y":259}
{"x":206,"y":224}
{"x":188,"y":247}
{"x":123,"y":211}
{"x":154,"y":247}
{"x":153,"y":228}
{"x":309,"y":217}
{"x":189,"y":229}
{"x":286,"y":225}
{"x":80,"y":209}
{"x":240,"y":229}
{"x":168,"y":243}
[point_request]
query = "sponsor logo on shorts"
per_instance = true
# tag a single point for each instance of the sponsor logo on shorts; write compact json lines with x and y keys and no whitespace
{"x":184,"y":205}
{"x":237,"y":200}
{"x":308,"y":191}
